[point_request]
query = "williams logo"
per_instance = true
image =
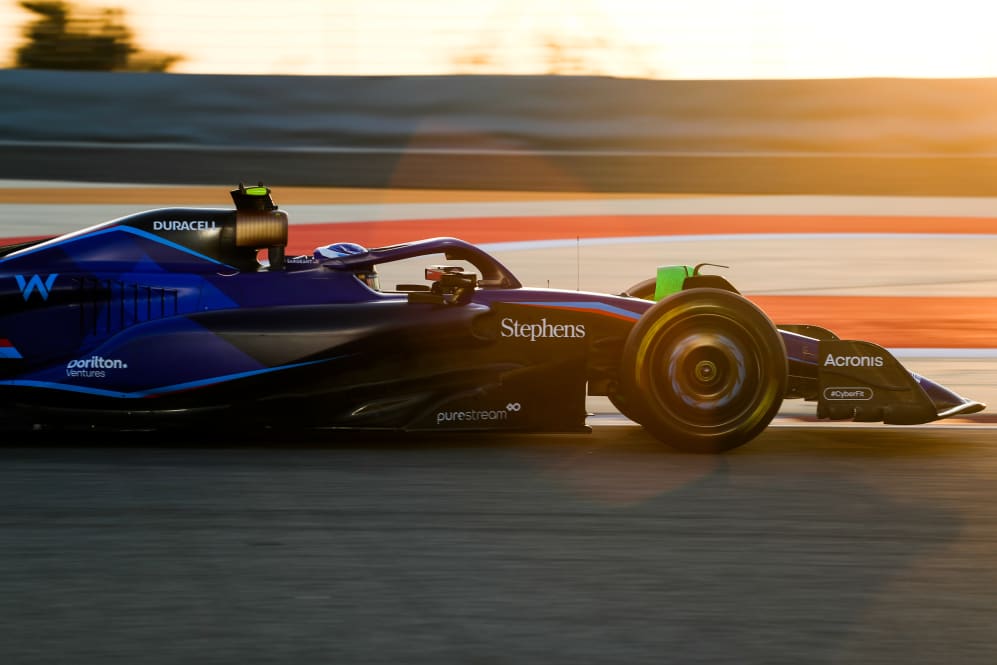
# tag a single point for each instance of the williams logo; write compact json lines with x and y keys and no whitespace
{"x":35,"y":283}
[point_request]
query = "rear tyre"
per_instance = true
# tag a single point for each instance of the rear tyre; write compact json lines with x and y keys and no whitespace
{"x":704,"y":371}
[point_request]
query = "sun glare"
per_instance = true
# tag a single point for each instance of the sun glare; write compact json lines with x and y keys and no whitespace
{"x":640,"y":38}
{"x":888,"y":38}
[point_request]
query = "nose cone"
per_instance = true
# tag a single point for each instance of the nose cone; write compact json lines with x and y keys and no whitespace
{"x":946,"y":402}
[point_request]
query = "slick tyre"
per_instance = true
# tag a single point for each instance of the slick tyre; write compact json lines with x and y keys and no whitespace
{"x":704,"y":371}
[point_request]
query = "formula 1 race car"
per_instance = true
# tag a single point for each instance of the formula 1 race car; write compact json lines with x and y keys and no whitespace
{"x":195,"y":317}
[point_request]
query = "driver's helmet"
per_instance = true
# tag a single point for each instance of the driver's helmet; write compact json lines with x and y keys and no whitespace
{"x":342,"y":249}
{"x":338,"y":250}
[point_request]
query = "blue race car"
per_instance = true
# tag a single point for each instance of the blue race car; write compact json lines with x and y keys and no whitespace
{"x":171,"y":318}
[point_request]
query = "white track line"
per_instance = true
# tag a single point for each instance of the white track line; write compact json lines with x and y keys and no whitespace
{"x":782,"y":422}
{"x":946,"y":354}
{"x":561,"y":243}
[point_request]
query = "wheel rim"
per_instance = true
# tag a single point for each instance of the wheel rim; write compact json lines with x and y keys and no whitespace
{"x":703,"y":372}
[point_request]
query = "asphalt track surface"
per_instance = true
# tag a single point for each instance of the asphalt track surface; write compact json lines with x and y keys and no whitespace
{"x":807,"y":546}
{"x":816,"y":543}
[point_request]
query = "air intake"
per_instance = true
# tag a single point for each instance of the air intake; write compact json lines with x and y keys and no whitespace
{"x":260,"y":229}
{"x":258,"y":223}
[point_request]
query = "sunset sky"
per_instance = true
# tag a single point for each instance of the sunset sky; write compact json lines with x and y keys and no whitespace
{"x":638,"y":38}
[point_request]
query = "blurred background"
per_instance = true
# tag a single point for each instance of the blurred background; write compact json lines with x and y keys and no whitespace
{"x":763,"y":97}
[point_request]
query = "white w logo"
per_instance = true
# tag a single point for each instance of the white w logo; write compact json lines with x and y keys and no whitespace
{"x":35,"y":284}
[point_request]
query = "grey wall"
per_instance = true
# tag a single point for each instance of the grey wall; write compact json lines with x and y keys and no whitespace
{"x":532,"y":132}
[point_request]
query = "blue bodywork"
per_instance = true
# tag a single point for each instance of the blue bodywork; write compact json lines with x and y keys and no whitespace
{"x":169,"y":316}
